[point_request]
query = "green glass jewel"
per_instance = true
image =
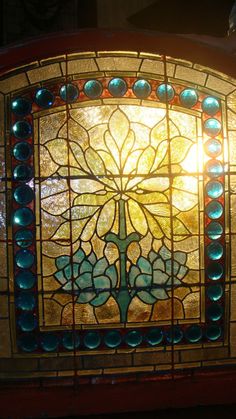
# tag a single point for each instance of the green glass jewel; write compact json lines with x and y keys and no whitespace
{"x":69,"y":92}
{"x":214,"y":312}
{"x":214,"y":210}
{"x":28,"y":342}
{"x":92,"y":340}
{"x":24,"y":259}
{"x":133,"y":338}
{"x":25,"y":301}
{"x":165,"y":92}
{"x":210,"y":105}
{"x":174,"y":335}
{"x":188,"y":98}
{"x":113,"y":339}
{"x":214,"y":168}
{"x":44,"y":98}
{"x":215,"y":292}
{"x":23,"y":217}
{"x":212,"y":127}
{"x":213,"y":147}
{"x":70,"y":340}
{"x":142,"y":89}
{"x":24,"y":238}
{"x":214,"y":271}
{"x":214,"y":189}
{"x":117,"y":87}
{"x":22,"y":130}
{"x":213,"y":332}
{"x":214,"y":230}
{"x":154,"y":336}
{"x":27,"y":321}
{"x":21,"y":106}
{"x":23,"y":194}
{"x":25,"y":280}
{"x":49,"y":342}
{"x":22,"y":151}
{"x":22,"y":172}
{"x":93,"y":89}
{"x":193,"y":333}
{"x":215,"y":250}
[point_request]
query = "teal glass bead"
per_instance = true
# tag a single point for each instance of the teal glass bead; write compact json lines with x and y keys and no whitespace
{"x":23,"y":194}
{"x":214,"y":189}
{"x":154,"y":336}
{"x":214,"y":312}
{"x":188,"y":98}
{"x":92,"y":340}
{"x":215,"y":292}
{"x":193,"y":333}
{"x":24,"y":259}
{"x":214,"y":210}
{"x":133,"y":338}
{"x":22,"y":130}
{"x":70,"y":340}
{"x":117,"y":87}
{"x":25,"y":280}
{"x":113,"y":339}
{"x":214,"y":168}
{"x":27,"y":321}
{"x":23,"y":217}
{"x":215,"y":250}
{"x":21,"y":106}
{"x":22,"y":172}
{"x":214,"y":271}
{"x":24,"y":238}
{"x":212,"y":127}
{"x":213,"y":147}
{"x":165,"y":92}
{"x":44,"y":98}
{"x":28,"y":342}
{"x":214,"y":230}
{"x":93,"y":89}
{"x":210,"y":105}
{"x":25,"y":301}
{"x":69,"y":92}
{"x":174,"y":335}
{"x":142,"y":89}
{"x":49,"y":342}
{"x":22,"y":151}
{"x":213,"y":332}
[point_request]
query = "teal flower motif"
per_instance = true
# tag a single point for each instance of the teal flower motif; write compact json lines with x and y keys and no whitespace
{"x":91,"y":280}
{"x":151,"y":278}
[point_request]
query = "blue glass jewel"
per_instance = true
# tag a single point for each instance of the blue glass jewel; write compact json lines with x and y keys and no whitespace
{"x":49,"y":342}
{"x":23,"y":194}
{"x":117,"y":87}
{"x":23,"y":217}
{"x":93,"y":89}
{"x":44,"y":98}
{"x":215,"y":250}
{"x":215,"y":292}
{"x":213,"y":147}
{"x":21,"y":106}
{"x":133,"y":338}
{"x":22,"y":172}
{"x":214,"y":210}
{"x":24,"y":238}
{"x":214,"y":271}
{"x":69,"y":92}
{"x":25,"y":280}
{"x":212,"y":127}
{"x":193,"y":333}
{"x":27,"y":321}
{"x":154,"y":336}
{"x":214,"y":312}
{"x":210,"y":105}
{"x":70,"y":340}
{"x":113,"y":339}
{"x":22,"y":130}
{"x":213,"y":332}
{"x":92,"y":340}
{"x":165,"y":92}
{"x":188,"y":98}
{"x":28,"y":342}
{"x":25,"y":301}
{"x":142,"y":89}
{"x":24,"y":259}
{"x":214,"y":189}
{"x":214,"y":168}
{"x":214,"y":230}
{"x":174,"y":335}
{"x":22,"y":151}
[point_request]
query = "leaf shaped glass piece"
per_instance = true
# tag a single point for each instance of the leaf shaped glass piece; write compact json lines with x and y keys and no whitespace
{"x":95,"y":162}
{"x":119,"y":127}
{"x":106,"y":218}
{"x":137,"y":217}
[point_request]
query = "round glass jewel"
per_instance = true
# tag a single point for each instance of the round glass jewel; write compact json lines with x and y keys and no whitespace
{"x":24,"y":259}
{"x":25,"y":280}
{"x":92,"y":340}
{"x":214,"y":312}
{"x":214,"y":230}
{"x":28,"y":342}
{"x":213,"y":332}
{"x":210,"y":105}
{"x":215,"y":250}
{"x":70,"y":340}
{"x":214,"y":271}
{"x":22,"y":151}
{"x":24,"y":238}
{"x":117,"y":87}
{"x":93,"y":89}
{"x":174,"y":335}
{"x":214,"y":210}
{"x":21,"y":106}
{"x":212,"y":127}
{"x":49,"y":342}
{"x":22,"y":172}
{"x":165,"y":92}
{"x":25,"y":301}
{"x":154,"y":336}
{"x":214,"y":168}
{"x":188,"y":98}
{"x":44,"y":98}
{"x":27,"y":321}
{"x":113,"y":339}
{"x":23,"y":194}
{"x":22,"y":130}
{"x":69,"y":92}
{"x":23,"y":217}
{"x":214,"y":189}
{"x":133,"y":338}
{"x":213,"y":147}
{"x":215,"y":292}
{"x":142,"y":89}
{"x":193,"y":333}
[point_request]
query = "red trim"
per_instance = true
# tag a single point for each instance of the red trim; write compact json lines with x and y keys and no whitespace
{"x":202,"y":50}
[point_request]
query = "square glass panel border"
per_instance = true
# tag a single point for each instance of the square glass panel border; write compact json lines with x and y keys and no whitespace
{"x":118,"y":226}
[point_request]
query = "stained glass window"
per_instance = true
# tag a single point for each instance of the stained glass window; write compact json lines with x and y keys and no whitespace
{"x":118,"y":191}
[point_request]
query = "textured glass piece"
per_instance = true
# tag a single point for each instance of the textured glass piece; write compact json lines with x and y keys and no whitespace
{"x":213,"y":147}
{"x":214,"y":189}
{"x":215,"y":292}
{"x":22,"y":130}
{"x":93,"y":89}
{"x":142,"y":89}
{"x":188,"y":98}
{"x":133,"y":338}
{"x":215,"y":250}
{"x":22,"y":151}
{"x":214,"y":312}
{"x":70,"y":340}
{"x":22,"y":172}
{"x":23,"y":217}
{"x":21,"y":106}
{"x":24,"y":259}
{"x":165,"y":92}
{"x":69,"y":92}
{"x":27,"y":321}
{"x":113,"y":339}
{"x":25,"y":280}
{"x":154,"y":336}
{"x":212,"y":127}
{"x":24,"y":238}
{"x":214,"y":168}
{"x":44,"y":98}
{"x":214,"y":210}
{"x":92,"y":340}
{"x":23,"y":194}
{"x":213,"y":332}
{"x":174,"y":335}
{"x":117,"y":87}
{"x":28,"y":342}
{"x":210,"y":105}
{"x":25,"y":301}
{"x":214,"y":271}
{"x":49,"y":342}
{"x":214,"y":230}
{"x":193,"y":333}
